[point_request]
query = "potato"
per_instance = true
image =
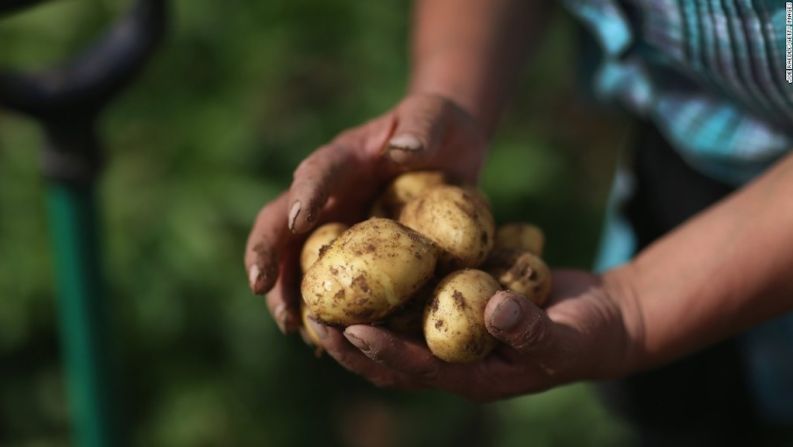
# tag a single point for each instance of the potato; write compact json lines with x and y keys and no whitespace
{"x":319,"y":239}
{"x":459,"y":222}
{"x":522,"y":272}
{"x":477,"y":194}
{"x":308,"y":334}
{"x":454,"y":319}
{"x":404,"y":189}
{"x":369,"y":271}
{"x":520,"y":236}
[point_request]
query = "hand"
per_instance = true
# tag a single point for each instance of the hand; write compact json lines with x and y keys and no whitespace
{"x":586,"y":332}
{"x":338,"y":182}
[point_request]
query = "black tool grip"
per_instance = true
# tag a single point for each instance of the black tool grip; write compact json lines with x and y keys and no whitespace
{"x":90,"y":80}
{"x":9,"y":6}
{"x":68,"y":99}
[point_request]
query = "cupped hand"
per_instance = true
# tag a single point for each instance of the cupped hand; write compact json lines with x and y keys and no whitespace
{"x":586,"y":332}
{"x":338,"y":182}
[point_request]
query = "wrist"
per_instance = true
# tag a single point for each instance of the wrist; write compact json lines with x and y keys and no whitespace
{"x":619,"y":285}
{"x":475,"y":104}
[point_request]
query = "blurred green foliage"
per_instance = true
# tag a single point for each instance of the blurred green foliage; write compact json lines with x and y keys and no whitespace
{"x":241,"y":91}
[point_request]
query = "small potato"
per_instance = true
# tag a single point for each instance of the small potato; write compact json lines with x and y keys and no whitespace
{"x":308,"y":334}
{"x":454,"y":319}
{"x":404,"y":189}
{"x":458,"y":221}
{"x":522,"y":272}
{"x":520,"y":236}
{"x":319,"y":239}
{"x":477,"y":194}
{"x":368,"y":272}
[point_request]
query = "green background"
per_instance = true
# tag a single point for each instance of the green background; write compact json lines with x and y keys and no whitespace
{"x":240,"y":92}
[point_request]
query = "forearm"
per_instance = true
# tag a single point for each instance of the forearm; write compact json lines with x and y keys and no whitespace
{"x":471,"y":51}
{"x":724,"y":271}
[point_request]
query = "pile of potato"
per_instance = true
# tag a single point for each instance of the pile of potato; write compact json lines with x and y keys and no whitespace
{"x":426,"y":262}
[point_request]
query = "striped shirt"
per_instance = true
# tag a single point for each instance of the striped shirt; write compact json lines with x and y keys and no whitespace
{"x":709,"y":73}
{"x":711,"y":76}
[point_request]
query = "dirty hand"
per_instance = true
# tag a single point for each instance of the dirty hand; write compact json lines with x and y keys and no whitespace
{"x":584,"y":333}
{"x":338,"y":182}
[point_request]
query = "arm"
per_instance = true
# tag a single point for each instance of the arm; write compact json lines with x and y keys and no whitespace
{"x":724,"y":271}
{"x":471,"y":51}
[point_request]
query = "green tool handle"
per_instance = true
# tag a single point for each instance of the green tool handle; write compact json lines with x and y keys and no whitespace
{"x":83,"y":314}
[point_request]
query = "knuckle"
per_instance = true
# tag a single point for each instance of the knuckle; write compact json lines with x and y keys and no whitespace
{"x":532,"y":333}
{"x":433,"y":102}
{"x":348,"y":135}
{"x":305,"y":167}
{"x":315,"y":162}
{"x":424,"y":113}
{"x":425,"y":120}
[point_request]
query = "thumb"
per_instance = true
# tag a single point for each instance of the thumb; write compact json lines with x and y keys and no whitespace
{"x":419,"y":130}
{"x":516,"y":321}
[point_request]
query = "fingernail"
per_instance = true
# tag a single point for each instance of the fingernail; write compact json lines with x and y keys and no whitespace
{"x":294,"y":211}
{"x":318,"y":329}
{"x":253,"y":277}
{"x":401,"y":147}
{"x":506,"y":315}
{"x":280,"y":317}
{"x":406,"y":142}
{"x":357,"y":342}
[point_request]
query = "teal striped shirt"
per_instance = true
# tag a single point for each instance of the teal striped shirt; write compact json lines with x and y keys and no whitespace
{"x":712,"y":76}
{"x":709,"y":73}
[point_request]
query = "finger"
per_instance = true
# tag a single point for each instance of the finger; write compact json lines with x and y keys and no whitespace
{"x":481,"y":381}
{"x":348,"y":356}
{"x":265,"y":241}
{"x":516,"y":321}
{"x":400,"y":354}
{"x":418,"y":132}
{"x":283,"y":301}
{"x":314,"y":181}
